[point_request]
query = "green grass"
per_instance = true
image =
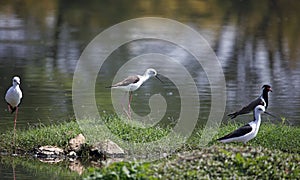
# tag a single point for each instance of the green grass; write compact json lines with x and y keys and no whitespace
{"x":224,"y":161}
{"x":131,"y":135}
{"x":280,"y":137}
{"x":274,"y":153}
{"x":133,"y":131}
{"x":26,"y":140}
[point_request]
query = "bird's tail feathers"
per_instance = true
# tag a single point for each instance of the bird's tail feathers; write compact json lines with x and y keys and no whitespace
{"x":13,"y":110}
{"x":233,"y":115}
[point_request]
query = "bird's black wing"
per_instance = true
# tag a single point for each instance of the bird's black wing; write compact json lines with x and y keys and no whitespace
{"x":247,"y":109}
{"x":11,"y":108}
{"x":237,"y":133}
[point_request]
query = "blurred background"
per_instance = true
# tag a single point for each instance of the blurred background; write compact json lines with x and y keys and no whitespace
{"x":257,"y":42}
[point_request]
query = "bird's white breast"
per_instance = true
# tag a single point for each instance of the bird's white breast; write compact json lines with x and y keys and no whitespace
{"x":13,"y":96}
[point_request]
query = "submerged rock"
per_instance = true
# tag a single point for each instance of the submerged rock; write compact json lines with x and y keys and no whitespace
{"x":75,"y":144}
{"x":76,"y":166}
{"x":106,"y":148}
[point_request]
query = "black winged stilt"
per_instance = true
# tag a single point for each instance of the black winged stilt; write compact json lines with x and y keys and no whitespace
{"x":246,"y":132}
{"x":13,"y":98}
{"x":263,"y":99}
{"x":132,"y":83}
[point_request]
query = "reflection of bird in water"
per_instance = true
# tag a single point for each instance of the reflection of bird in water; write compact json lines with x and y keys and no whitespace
{"x":132,"y":83}
{"x":13,"y":98}
{"x":263,"y":99}
{"x":246,"y":132}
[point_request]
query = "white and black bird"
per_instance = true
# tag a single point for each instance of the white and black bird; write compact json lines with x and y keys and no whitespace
{"x":248,"y":131}
{"x":13,"y":98}
{"x":132,"y":83}
{"x":263,"y":99}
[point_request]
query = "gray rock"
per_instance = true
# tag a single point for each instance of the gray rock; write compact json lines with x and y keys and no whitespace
{"x":49,"y":152}
{"x":107,"y":148}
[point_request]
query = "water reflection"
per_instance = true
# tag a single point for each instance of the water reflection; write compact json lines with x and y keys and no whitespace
{"x":28,"y":168}
{"x":256,"y":42}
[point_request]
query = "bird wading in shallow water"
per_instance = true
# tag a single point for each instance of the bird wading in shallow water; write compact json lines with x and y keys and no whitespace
{"x":246,"y":132}
{"x":132,"y":83}
{"x":263,"y":99}
{"x":13,"y":98}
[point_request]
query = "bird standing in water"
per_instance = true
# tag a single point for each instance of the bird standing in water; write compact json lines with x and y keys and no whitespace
{"x":13,"y":98}
{"x":263,"y":99}
{"x":132,"y":83}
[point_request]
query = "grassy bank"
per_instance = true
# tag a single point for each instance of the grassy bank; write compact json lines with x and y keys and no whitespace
{"x":40,"y":135}
{"x":273,"y":153}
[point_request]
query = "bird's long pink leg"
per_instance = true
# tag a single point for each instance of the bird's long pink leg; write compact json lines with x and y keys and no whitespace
{"x":129,"y":107}
{"x":15,"y":123}
{"x":14,"y":172}
{"x":123,"y":102}
{"x":8,"y":107}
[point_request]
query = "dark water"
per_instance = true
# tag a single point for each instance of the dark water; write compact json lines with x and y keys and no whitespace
{"x":257,"y":42}
{"x":29,"y":168}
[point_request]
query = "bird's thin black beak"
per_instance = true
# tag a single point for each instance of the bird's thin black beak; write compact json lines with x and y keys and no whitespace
{"x":276,"y":117}
{"x":266,"y":112}
{"x":159,"y":79}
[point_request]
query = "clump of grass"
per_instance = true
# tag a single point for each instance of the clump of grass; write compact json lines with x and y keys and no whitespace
{"x":282,"y":137}
{"x":40,"y":135}
{"x":120,"y":170}
{"x":229,"y":161}
{"x":133,"y":132}
{"x":131,"y":135}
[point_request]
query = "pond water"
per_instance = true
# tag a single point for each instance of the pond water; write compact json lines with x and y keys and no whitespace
{"x":29,"y":168}
{"x":257,"y":42}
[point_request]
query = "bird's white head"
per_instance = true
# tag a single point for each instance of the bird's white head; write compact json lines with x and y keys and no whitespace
{"x":16,"y":81}
{"x":260,"y":109}
{"x":151,"y":72}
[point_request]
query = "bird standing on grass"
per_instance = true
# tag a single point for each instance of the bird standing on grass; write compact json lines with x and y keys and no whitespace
{"x":13,"y":98}
{"x":246,"y":132}
{"x":132,"y":83}
{"x":263,"y":99}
